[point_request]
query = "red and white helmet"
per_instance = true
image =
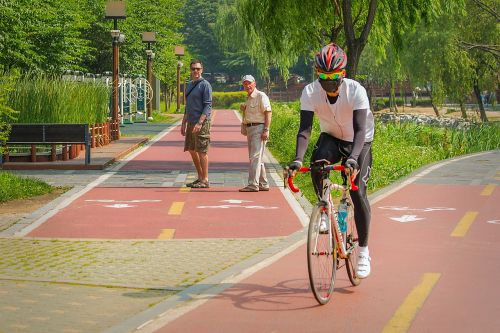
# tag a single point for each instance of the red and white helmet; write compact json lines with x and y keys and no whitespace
{"x":330,"y":58}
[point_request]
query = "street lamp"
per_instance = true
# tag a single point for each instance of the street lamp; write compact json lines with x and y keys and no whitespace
{"x":149,"y":37}
{"x":115,"y":10}
{"x":179,"y":52}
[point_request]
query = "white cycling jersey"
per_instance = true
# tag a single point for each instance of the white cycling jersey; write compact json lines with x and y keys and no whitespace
{"x":337,"y":119}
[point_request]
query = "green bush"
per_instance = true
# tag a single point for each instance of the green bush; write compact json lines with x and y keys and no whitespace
{"x":42,"y":99}
{"x":7,"y":114}
{"x":226,"y":99}
{"x":398,"y":149}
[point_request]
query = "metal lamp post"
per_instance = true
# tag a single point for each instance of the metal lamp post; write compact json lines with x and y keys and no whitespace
{"x":149,"y":37}
{"x":115,"y":10}
{"x":179,"y":52}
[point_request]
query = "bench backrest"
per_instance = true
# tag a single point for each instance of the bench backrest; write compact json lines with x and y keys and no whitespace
{"x":49,"y":133}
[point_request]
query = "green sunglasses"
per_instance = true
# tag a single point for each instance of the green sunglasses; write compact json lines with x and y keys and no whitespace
{"x":330,"y":76}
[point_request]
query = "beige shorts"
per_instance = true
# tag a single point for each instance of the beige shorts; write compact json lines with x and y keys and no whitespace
{"x":200,"y":141}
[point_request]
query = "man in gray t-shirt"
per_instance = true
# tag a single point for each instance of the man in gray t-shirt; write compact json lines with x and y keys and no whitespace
{"x":196,"y":123}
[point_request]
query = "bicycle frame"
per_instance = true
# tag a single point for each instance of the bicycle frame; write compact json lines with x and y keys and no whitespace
{"x":326,"y":197}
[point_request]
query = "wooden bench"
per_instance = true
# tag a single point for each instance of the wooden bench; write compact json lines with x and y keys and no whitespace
{"x":51,"y":134}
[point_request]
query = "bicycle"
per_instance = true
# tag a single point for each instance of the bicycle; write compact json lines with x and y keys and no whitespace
{"x":327,"y":246}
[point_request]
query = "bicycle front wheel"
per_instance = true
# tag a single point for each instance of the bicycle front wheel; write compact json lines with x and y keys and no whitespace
{"x":352,"y":245}
{"x":321,"y":257}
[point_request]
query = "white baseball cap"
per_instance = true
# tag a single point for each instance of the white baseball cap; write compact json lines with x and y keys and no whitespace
{"x":248,"y":78}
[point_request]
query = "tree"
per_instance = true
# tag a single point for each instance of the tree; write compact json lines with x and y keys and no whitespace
{"x":40,"y":35}
{"x":479,"y":36}
{"x":288,"y":29}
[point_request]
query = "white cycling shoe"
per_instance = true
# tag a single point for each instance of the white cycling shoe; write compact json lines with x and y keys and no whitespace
{"x":363,"y":269}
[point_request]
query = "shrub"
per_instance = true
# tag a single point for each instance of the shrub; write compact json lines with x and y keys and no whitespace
{"x":226,"y":99}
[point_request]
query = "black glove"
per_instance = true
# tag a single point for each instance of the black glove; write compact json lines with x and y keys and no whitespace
{"x":351,"y":164}
{"x":295,"y":165}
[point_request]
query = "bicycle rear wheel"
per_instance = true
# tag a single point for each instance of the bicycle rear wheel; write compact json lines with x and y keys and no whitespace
{"x":352,"y":245}
{"x":321,"y":258}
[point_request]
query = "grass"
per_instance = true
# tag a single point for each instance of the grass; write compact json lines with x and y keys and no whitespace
{"x":398,"y":149}
{"x":14,"y":187}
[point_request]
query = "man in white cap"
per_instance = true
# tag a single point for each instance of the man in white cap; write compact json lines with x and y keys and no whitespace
{"x":256,"y":122}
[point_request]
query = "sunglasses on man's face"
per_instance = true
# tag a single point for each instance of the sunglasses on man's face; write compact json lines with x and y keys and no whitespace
{"x":196,"y":68}
{"x":331,"y":76}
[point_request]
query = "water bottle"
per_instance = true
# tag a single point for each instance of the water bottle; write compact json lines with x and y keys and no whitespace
{"x":323,"y":225}
{"x":342,"y":215}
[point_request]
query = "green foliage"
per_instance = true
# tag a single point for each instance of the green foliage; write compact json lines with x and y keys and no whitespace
{"x":7,"y":114}
{"x":40,"y":35}
{"x":394,"y":149}
{"x":199,"y":17}
{"x":41,"y":99}
{"x":227,"y":99}
{"x":14,"y":187}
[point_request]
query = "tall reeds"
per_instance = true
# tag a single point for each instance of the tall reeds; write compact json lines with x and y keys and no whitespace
{"x":41,"y":99}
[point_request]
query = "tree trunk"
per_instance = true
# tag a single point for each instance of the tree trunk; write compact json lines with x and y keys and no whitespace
{"x":356,"y":45}
{"x":392,"y":98}
{"x":165,"y":96}
{"x":436,"y":111}
{"x":477,"y":92}
{"x":464,"y":111}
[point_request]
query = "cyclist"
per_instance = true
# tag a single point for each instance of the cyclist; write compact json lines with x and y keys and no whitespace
{"x":347,"y":130}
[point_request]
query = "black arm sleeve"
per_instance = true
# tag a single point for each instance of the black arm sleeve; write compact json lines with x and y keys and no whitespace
{"x":359,"y":122}
{"x":305,"y":129}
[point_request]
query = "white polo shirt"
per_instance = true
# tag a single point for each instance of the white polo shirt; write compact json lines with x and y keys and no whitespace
{"x":256,"y":105}
{"x":337,"y":119}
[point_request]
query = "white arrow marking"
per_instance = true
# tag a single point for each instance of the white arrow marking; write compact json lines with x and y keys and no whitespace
{"x":119,"y":206}
{"x":133,"y":201}
{"x":407,"y":218}
{"x":235,"y":201}
{"x":430,"y":209}
{"x":237,"y":206}
{"x":494,"y":222}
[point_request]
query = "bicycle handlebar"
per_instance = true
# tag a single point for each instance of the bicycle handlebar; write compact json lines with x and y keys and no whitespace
{"x":288,"y":178}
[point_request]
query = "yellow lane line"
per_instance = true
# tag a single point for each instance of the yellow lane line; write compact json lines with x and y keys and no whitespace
{"x":464,"y":224}
{"x":176,"y":208}
{"x":167,"y":234}
{"x":488,"y":189}
{"x":404,"y":315}
{"x":184,"y":189}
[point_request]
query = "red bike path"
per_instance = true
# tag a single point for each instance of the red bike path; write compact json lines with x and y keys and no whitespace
{"x":170,"y":212}
{"x":434,"y":270}
{"x":434,"y":247}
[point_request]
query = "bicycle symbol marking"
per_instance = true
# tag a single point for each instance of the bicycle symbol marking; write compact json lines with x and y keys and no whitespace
{"x":233,"y":203}
{"x":120,"y":206}
{"x":407,"y":218}
{"x":493,"y":221}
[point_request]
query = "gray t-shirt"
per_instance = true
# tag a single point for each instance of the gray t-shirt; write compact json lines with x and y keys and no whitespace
{"x":199,"y":100}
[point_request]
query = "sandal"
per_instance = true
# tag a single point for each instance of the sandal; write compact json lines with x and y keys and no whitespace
{"x":193,"y":183}
{"x":201,"y":184}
